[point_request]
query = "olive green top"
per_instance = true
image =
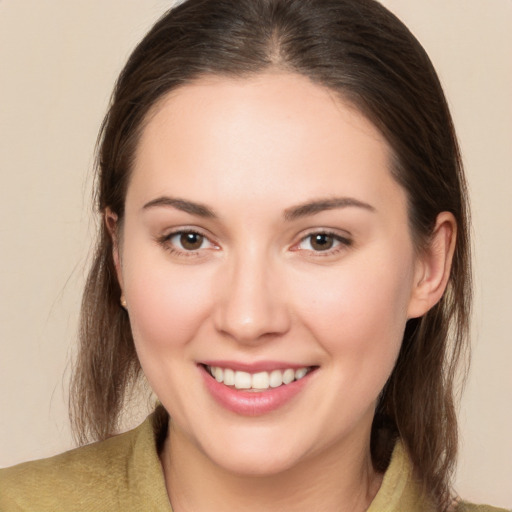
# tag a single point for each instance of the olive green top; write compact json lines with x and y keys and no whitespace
{"x":124,"y":474}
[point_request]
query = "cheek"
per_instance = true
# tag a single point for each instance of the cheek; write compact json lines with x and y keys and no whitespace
{"x":166,"y":303}
{"x":358,"y":312}
{"x":167,"y":307}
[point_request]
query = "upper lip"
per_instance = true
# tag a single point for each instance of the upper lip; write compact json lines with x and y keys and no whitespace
{"x":254,"y":367}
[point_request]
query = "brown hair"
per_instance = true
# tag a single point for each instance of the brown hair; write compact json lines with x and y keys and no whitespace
{"x":366,"y":55}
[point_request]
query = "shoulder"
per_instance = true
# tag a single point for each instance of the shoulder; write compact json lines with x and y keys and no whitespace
{"x":86,"y":471}
{"x":100,"y":476}
{"x":470,"y":507}
{"x":402,"y":490}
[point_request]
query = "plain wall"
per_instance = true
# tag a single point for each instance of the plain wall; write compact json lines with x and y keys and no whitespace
{"x":58,"y":63}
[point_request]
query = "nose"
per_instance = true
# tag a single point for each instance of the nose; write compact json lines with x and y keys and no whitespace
{"x":251,"y":302}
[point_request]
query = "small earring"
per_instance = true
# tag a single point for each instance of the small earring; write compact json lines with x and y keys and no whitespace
{"x":122,"y":300}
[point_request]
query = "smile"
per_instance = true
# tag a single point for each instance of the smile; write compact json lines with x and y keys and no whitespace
{"x":259,"y":381}
{"x":253,"y":393}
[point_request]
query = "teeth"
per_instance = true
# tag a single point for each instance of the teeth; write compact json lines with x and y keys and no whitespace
{"x":242,"y":380}
{"x":218,"y":374}
{"x":289,"y":376}
{"x":261,"y":380}
{"x":256,"y":381}
{"x":276,"y":378}
{"x":301,"y":372}
{"x":229,"y":377}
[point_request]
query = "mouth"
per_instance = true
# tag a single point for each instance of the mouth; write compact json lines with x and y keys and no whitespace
{"x":258,"y":381}
{"x":257,"y":392}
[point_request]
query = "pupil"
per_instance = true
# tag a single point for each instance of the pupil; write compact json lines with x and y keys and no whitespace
{"x":191,"y":241}
{"x":322,"y":242}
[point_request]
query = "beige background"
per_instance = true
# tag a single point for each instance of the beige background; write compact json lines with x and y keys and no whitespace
{"x":58,"y":62}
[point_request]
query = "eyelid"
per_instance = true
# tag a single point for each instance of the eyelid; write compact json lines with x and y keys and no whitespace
{"x":345,"y":241}
{"x":164,"y":241}
{"x":179,"y":234}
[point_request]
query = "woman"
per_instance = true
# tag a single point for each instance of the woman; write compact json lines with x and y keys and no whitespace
{"x":284,"y":255}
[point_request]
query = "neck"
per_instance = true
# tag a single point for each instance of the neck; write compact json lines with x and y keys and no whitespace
{"x":341,"y":480}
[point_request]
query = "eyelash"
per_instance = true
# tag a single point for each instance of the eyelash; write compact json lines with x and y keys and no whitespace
{"x":165,"y":242}
{"x":343,"y":242}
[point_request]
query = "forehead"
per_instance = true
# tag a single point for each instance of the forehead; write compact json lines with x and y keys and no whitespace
{"x":274,"y":132}
{"x":270,"y":101}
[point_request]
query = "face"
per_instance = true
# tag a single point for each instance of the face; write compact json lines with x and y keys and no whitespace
{"x":266,"y":245}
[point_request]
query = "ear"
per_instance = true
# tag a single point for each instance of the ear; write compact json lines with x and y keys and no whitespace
{"x":112,"y":224}
{"x":433,"y":266}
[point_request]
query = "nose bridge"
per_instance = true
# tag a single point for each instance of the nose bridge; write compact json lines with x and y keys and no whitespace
{"x":251,"y":303}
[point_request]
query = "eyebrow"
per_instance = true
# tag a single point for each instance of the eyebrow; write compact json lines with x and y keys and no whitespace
{"x":198,"y":209}
{"x":320,"y":205}
{"x":292,"y":213}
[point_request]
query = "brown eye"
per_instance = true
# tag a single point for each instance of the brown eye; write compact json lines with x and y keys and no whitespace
{"x":321,"y":242}
{"x":187,"y":243}
{"x":191,"y":241}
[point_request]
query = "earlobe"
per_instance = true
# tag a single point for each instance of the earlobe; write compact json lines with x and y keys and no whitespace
{"x":433,"y":266}
{"x":112,"y":224}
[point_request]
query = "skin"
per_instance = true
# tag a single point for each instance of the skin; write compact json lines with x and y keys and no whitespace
{"x":251,"y":151}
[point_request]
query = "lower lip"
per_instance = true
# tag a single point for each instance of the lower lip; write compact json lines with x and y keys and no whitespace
{"x":253,"y":403}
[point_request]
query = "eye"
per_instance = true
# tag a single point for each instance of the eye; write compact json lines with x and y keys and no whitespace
{"x":186,"y":241}
{"x":189,"y":241}
{"x":323,"y":242}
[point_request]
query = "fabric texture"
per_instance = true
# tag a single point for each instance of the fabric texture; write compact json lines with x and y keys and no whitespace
{"x":124,"y":474}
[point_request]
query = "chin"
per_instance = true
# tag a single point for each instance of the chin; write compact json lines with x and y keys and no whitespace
{"x":256,"y":451}
{"x":262,"y":463}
